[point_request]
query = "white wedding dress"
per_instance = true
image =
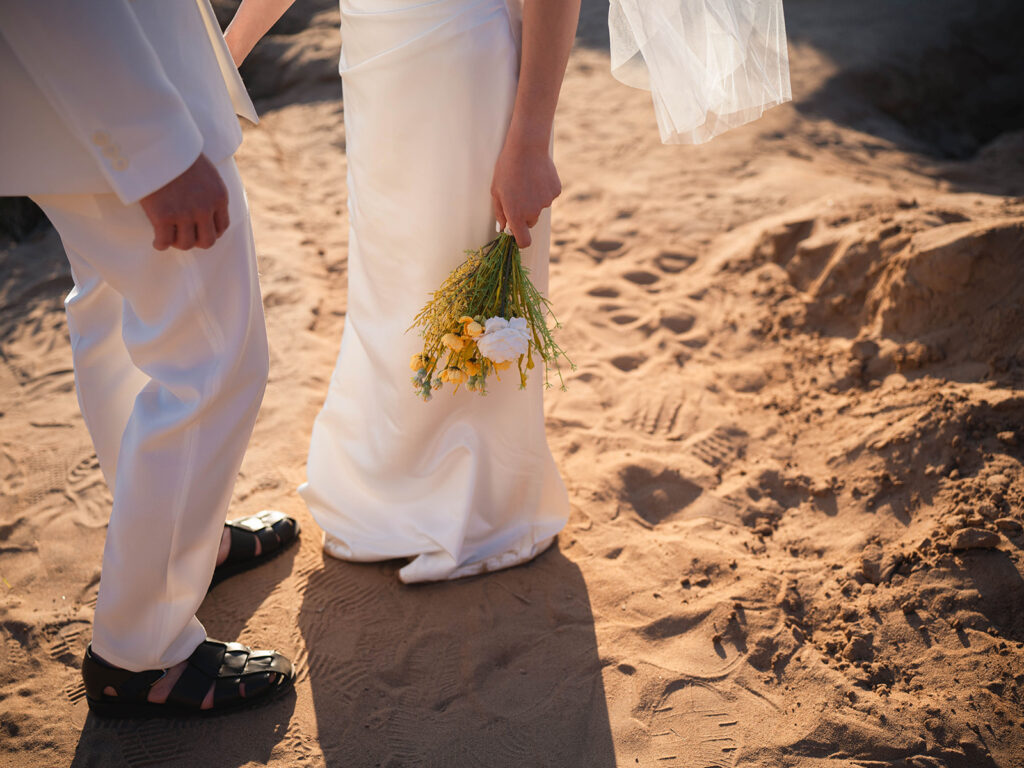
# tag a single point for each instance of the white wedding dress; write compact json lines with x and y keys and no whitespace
{"x":462,"y":484}
{"x":466,"y":484}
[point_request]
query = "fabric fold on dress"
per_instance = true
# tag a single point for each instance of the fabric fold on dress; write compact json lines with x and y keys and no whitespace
{"x":711,"y":65}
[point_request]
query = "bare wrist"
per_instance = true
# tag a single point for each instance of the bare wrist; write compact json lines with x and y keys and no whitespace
{"x":236,"y":47}
{"x":529,"y":138}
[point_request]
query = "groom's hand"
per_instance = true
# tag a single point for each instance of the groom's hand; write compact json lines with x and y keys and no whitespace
{"x":190,"y":211}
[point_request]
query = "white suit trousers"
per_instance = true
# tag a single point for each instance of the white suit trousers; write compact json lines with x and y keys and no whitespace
{"x":170,"y":357}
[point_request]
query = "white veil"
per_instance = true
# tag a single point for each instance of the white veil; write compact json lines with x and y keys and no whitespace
{"x":710,"y":65}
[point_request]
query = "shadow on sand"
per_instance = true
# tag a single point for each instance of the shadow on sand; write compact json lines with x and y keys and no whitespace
{"x":215,"y":742}
{"x":496,"y":671}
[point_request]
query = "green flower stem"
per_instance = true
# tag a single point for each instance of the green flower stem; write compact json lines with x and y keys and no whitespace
{"x":491,"y":282}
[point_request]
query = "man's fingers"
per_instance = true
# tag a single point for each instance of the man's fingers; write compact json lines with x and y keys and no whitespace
{"x":206,"y":231}
{"x":221,"y":220}
{"x":164,"y":234}
{"x":186,"y":239}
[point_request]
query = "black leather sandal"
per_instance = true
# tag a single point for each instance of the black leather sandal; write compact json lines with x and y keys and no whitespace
{"x":225,"y":666}
{"x":274,"y":530}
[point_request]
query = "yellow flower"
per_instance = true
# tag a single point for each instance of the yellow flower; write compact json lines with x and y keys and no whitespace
{"x":465,"y":319}
{"x":453,"y":375}
{"x":419,"y":361}
{"x":453,"y":342}
{"x":473,"y":329}
{"x":472,"y":367}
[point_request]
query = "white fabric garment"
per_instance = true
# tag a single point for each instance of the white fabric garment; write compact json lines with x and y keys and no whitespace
{"x":710,"y":65}
{"x":170,"y":357}
{"x":462,"y":484}
{"x":113,"y":95}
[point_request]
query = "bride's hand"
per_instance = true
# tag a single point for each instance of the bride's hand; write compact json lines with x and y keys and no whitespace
{"x":525,"y":183}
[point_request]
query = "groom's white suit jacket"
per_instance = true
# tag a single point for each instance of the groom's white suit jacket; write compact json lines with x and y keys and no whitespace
{"x":112,"y":95}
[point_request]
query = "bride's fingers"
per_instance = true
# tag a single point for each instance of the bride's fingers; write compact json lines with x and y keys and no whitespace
{"x":499,"y":213}
{"x":521,"y":232}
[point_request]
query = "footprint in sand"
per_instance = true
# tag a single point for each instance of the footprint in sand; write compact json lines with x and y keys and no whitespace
{"x":605,"y":246}
{"x":673,"y":263}
{"x":75,"y":690}
{"x":660,"y":416}
{"x":678,"y":323}
{"x":69,"y":644}
{"x":628,"y":363}
{"x":624,"y":319}
{"x":641,"y":277}
{"x":694,"y":726}
{"x":657,"y":496}
{"x":722,"y":446}
{"x":34,"y":477}
{"x":12,"y":476}
{"x":705,"y":725}
{"x":153,"y":743}
{"x":88,"y":491}
{"x":84,"y":473}
{"x":14,"y":655}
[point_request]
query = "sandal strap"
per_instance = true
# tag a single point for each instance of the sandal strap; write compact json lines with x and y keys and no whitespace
{"x":226,"y":666}
{"x":203,"y":668}
{"x":130,"y":686}
{"x":243,"y":543}
{"x":271,"y":527}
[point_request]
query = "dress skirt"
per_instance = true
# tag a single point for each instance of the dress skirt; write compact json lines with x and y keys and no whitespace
{"x":462,"y":484}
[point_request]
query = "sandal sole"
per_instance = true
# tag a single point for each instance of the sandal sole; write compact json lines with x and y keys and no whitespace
{"x":116,"y":710}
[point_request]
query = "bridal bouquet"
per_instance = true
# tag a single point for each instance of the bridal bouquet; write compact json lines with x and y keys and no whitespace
{"x":485,"y":317}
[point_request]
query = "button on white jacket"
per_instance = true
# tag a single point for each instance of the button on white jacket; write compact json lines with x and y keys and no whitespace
{"x":111,"y":95}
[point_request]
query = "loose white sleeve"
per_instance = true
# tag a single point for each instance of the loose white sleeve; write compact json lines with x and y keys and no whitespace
{"x":710,"y":65}
{"x":95,"y":65}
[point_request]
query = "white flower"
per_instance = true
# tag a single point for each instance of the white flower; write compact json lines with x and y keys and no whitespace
{"x":504,"y":340}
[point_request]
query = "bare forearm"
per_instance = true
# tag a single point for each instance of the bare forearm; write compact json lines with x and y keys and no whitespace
{"x":251,"y":22}
{"x":549,"y":28}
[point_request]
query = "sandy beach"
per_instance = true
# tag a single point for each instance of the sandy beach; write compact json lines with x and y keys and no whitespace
{"x":793,"y":443}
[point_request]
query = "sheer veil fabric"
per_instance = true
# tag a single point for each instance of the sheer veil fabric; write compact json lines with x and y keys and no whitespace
{"x":710,"y":65}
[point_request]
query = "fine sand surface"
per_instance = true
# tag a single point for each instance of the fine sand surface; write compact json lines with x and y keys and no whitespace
{"x":793,"y":444}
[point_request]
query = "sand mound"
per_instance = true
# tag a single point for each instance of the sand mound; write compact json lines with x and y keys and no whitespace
{"x":913,"y":285}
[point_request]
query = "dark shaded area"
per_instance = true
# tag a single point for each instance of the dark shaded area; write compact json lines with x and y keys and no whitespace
{"x":657,"y":497}
{"x":945,"y":95}
{"x":34,"y":278}
{"x":488,"y":672}
{"x":19,"y":219}
{"x":208,"y":742}
{"x":294,"y":62}
{"x":592,"y":31}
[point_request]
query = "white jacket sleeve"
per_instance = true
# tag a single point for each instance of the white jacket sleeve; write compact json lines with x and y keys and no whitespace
{"x":94,"y":64}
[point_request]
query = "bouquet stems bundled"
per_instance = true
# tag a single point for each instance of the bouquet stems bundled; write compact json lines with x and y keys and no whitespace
{"x":486,"y":315}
